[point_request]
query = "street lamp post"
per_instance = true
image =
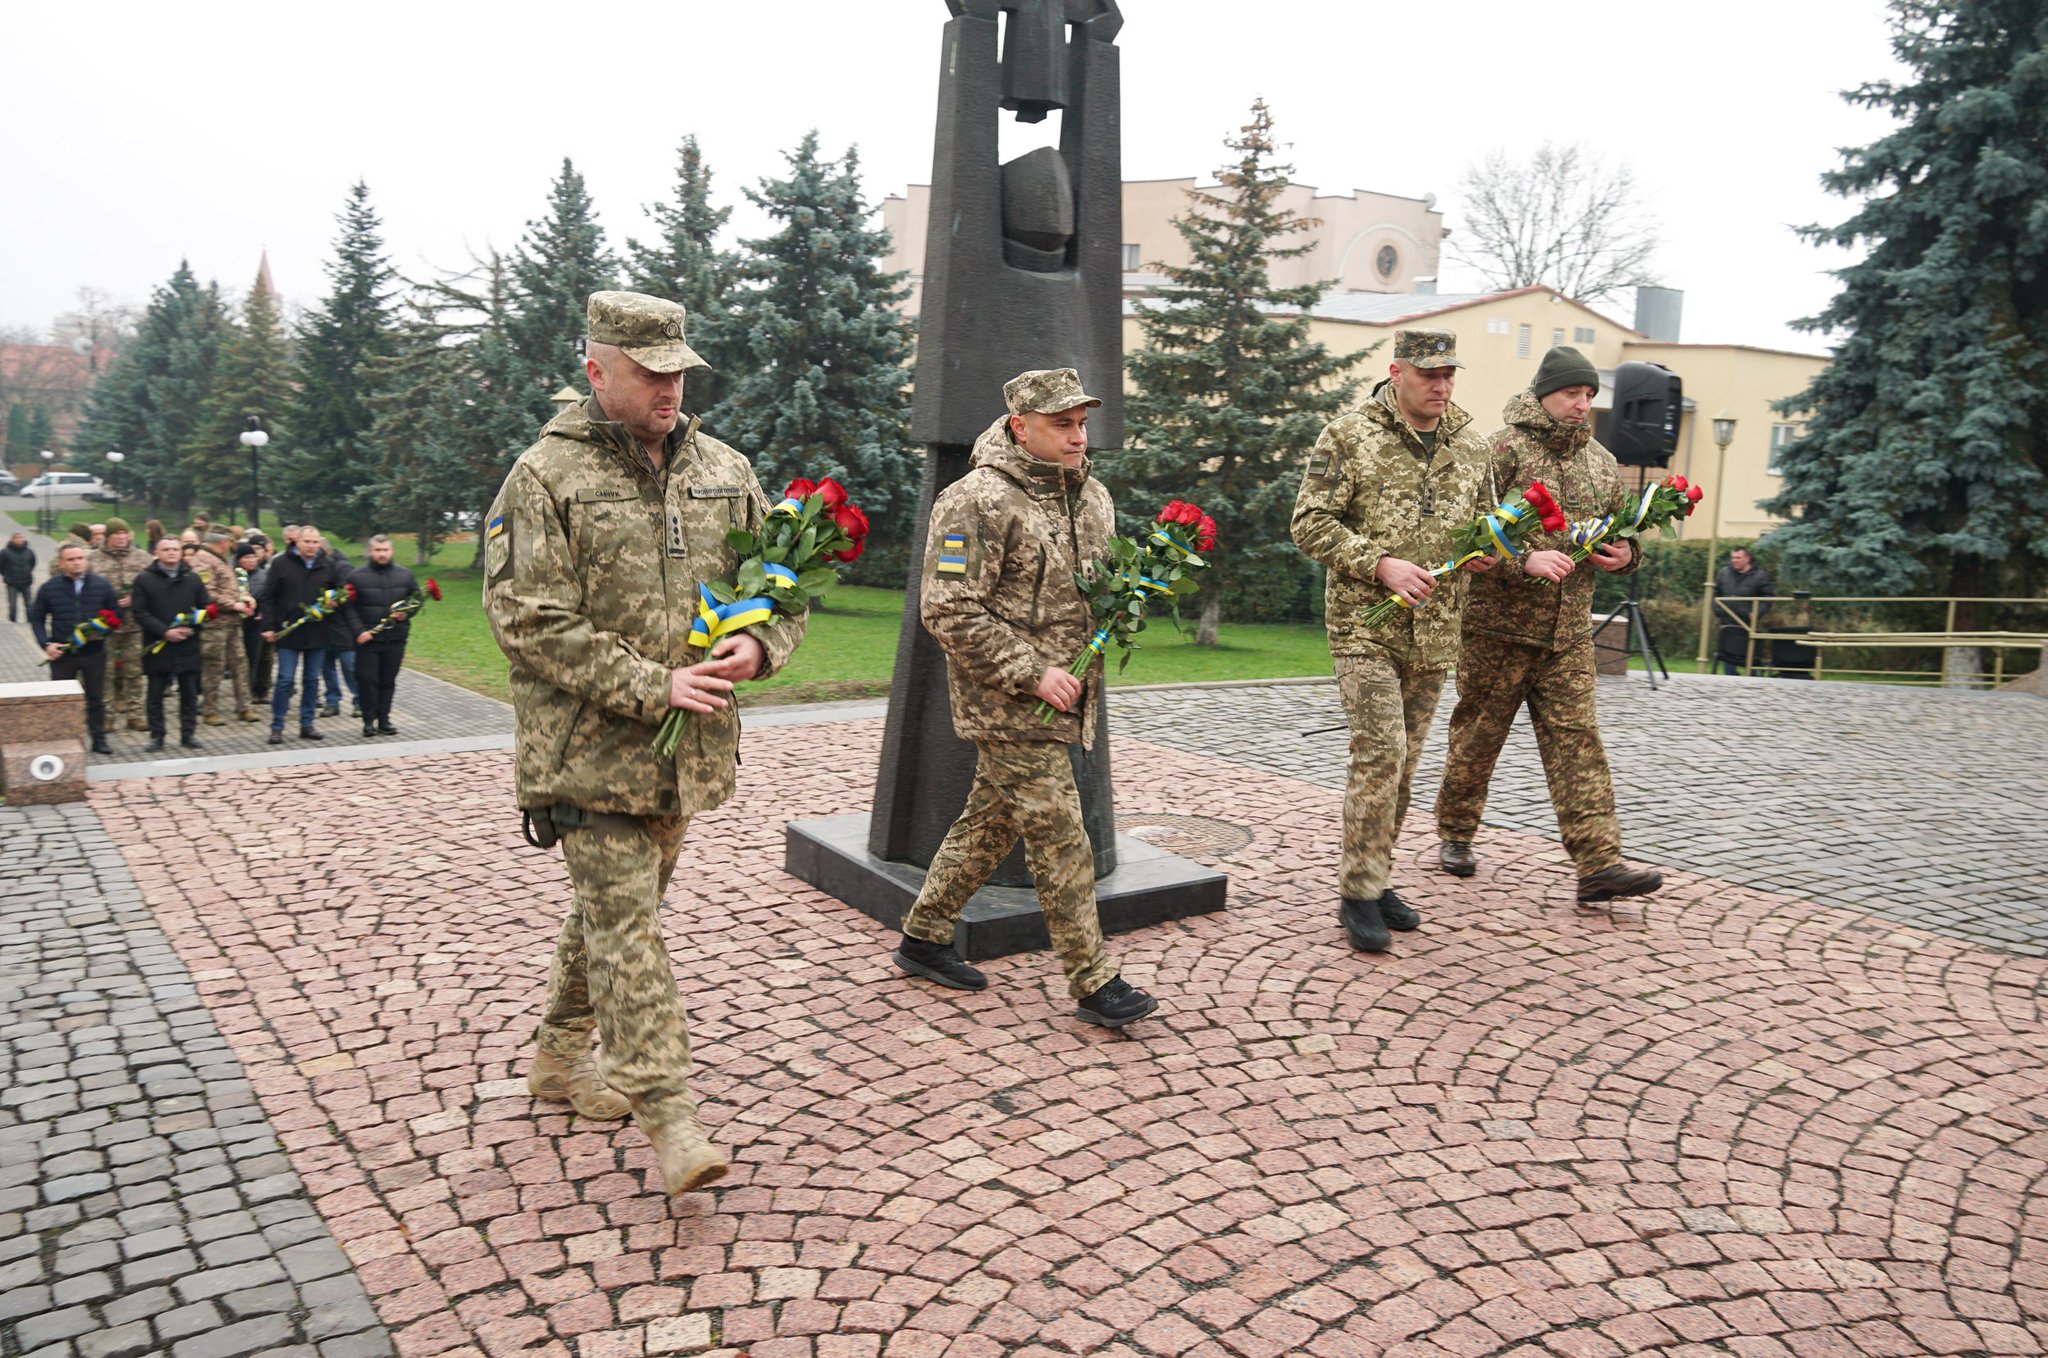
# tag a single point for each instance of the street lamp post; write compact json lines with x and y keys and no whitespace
{"x":116,"y":459}
{"x":46,"y":512}
{"x":1724,"y":434}
{"x":254,"y":438}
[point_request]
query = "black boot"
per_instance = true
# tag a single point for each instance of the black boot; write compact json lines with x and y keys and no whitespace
{"x":276,"y":735}
{"x":1396,"y":914}
{"x":190,"y":743}
{"x":385,"y":728}
{"x":937,"y":962}
{"x":1456,"y":857}
{"x":309,"y":733}
{"x":369,"y":729}
{"x":100,"y":746}
{"x":155,"y":743}
{"x":1363,"y":923}
{"x":1115,"y":1004}
{"x":1619,"y":880}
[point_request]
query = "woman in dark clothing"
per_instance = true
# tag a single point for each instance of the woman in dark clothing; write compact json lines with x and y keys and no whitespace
{"x":168,"y":588}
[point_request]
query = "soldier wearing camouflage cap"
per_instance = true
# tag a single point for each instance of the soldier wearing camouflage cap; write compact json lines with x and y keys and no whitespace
{"x":593,"y":553}
{"x":119,"y":561}
{"x":1384,"y":487}
{"x":999,"y":597}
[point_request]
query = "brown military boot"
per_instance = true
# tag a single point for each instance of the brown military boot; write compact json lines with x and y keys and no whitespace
{"x":246,"y":715}
{"x":215,"y":720}
{"x":137,"y":724}
{"x":1619,"y":880}
{"x":1455,"y":856}
{"x":574,"y":1080}
{"x":687,"y":1160}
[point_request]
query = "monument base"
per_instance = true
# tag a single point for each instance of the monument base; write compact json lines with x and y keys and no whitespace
{"x":1149,"y":886}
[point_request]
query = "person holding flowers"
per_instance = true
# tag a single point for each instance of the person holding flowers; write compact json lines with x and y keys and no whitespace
{"x":300,"y":624}
{"x":169,"y":599}
{"x":60,"y":614}
{"x":999,"y":596}
{"x":594,"y":552}
{"x":381,"y":585}
{"x":1528,"y":639}
{"x":1385,"y":487}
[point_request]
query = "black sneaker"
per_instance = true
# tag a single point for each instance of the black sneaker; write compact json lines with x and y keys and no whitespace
{"x":1397,"y":915}
{"x":1363,"y":923}
{"x":310,"y":733}
{"x":1115,"y":1004}
{"x":937,"y":962}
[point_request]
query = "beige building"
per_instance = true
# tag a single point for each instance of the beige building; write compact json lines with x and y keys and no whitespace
{"x":1367,"y":242}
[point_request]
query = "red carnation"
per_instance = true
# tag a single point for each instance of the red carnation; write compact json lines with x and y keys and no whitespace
{"x":834,"y":493}
{"x":800,"y":489}
{"x":433,"y":591}
{"x":851,"y":522}
{"x":1205,"y":534}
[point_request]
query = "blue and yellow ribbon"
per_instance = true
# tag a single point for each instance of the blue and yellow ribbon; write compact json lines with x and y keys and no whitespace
{"x":1500,"y":523}
{"x":1443,"y":570}
{"x":1587,"y":532}
{"x":715,"y":619}
{"x":1099,"y":640}
{"x":793,"y":508}
{"x":781,"y":573}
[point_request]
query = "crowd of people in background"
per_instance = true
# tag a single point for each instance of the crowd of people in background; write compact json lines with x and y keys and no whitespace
{"x":221,"y":616}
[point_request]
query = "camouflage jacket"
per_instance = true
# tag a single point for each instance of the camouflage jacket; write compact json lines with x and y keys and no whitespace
{"x":999,"y":594}
{"x":119,"y":569}
{"x":592,"y":560}
{"x":221,"y":585}
{"x":1369,"y":492}
{"x":1507,"y":602}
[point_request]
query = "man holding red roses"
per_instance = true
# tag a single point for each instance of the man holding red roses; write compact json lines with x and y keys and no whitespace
{"x":1386,"y":485}
{"x":594,"y":552}
{"x":1530,"y":641}
{"x":999,"y":598}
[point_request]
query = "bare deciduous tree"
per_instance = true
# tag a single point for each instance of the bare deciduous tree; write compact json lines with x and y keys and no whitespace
{"x":1559,"y":217}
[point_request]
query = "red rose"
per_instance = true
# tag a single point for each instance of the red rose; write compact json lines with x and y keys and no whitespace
{"x":111,"y":619}
{"x":1205,"y":534}
{"x":1546,"y":507}
{"x":834,"y":493}
{"x":1677,"y":482}
{"x":1191,"y":514}
{"x":1694,"y":494}
{"x":1170,"y":514}
{"x":851,"y":553}
{"x":851,"y":522}
{"x":433,"y":591}
{"x":799,"y":489}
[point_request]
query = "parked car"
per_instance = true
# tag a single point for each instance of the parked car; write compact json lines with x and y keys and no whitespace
{"x":8,"y":485}
{"x":63,"y":483}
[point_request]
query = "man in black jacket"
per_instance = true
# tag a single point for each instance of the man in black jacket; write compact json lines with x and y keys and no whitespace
{"x":253,"y":556}
{"x":18,"y":569}
{"x":296,"y":581}
{"x":68,"y":598}
{"x":378,"y":585}
{"x":166,"y":591}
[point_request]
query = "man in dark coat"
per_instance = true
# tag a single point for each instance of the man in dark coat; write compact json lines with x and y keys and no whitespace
{"x":378,"y":585}
{"x":296,"y":581}
{"x":254,"y":557}
{"x":1741,"y":578}
{"x":165,"y":592}
{"x":72,"y":596}
{"x":18,"y":569}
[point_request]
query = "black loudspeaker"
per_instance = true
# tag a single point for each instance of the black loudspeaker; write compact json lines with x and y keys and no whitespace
{"x":1642,"y":428}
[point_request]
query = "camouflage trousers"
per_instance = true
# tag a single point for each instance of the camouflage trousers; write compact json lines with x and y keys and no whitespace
{"x":1022,"y":787}
{"x":1389,"y":700}
{"x":611,"y":967}
{"x":127,"y":686}
{"x":1495,"y":678}
{"x":222,"y":663}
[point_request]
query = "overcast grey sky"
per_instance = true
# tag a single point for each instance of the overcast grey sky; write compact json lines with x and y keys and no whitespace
{"x":138,"y":134}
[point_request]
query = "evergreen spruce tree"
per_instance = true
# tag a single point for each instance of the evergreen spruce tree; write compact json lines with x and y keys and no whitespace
{"x":560,"y":262}
{"x":149,"y":402}
{"x":252,"y":377}
{"x":1924,"y":465}
{"x":19,"y":445}
{"x":326,"y":463}
{"x":40,"y":433}
{"x":1228,"y":395}
{"x":818,"y":384}
{"x":683,"y":263}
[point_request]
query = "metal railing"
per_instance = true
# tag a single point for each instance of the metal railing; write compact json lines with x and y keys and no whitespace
{"x":1792,"y":646}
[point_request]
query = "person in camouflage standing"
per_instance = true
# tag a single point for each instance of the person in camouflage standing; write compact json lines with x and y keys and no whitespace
{"x":999,"y":597}
{"x":593,"y":552}
{"x":224,"y":665}
{"x":118,"y":561}
{"x":1529,"y":640}
{"x":1384,"y":487}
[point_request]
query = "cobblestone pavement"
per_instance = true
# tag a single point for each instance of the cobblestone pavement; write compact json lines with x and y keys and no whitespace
{"x":1724,"y":1121}
{"x":424,"y":708}
{"x":146,"y":1205}
{"x":1915,"y":805}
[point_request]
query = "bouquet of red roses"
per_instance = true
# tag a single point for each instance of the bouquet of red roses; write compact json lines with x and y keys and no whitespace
{"x":194,"y":618}
{"x":320,"y":610}
{"x":1120,"y":589}
{"x":405,"y":608}
{"x":1501,"y":531}
{"x":782,"y":568}
{"x":89,"y":631}
{"x":1661,"y":506}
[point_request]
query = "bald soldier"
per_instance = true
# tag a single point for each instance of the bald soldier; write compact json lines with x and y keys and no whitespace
{"x":593,"y":552}
{"x":1385,"y":486}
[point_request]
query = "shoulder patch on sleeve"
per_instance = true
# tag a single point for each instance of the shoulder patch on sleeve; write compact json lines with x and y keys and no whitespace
{"x":952,"y":555}
{"x":497,"y":545}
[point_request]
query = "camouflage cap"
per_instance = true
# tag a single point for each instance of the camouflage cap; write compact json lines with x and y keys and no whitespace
{"x":648,"y":329}
{"x":1427,"y":348}
{"x":1046,"y":391}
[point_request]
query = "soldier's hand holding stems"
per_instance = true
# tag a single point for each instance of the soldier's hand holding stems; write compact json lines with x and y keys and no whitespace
{"x":697,"y":687}
{"x":1611,"y":556}
{"x":1550,"y":565}
{"x":1059,"y":688}
{"x":1404,"y":578}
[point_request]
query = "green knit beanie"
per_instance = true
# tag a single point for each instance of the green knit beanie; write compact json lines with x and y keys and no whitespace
{"x":1564,"y":367}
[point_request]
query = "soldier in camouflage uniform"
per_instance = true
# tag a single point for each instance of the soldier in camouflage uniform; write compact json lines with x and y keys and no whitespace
{"x":1385,"y":486}
{"x":118,"y":560}
{"x":223,"y":662}
{"x":593,"y":553}
{"x":1529,"y":639}
{"x":1000,"y":599}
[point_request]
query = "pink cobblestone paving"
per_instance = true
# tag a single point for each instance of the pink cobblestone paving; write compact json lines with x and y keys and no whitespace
{"x":1722,"y":1123}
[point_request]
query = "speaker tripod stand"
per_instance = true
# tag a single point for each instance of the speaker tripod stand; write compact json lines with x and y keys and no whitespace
{"x":1639,"y":643}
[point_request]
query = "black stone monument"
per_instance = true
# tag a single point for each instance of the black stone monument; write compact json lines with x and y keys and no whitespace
{"x":1023,"y":269}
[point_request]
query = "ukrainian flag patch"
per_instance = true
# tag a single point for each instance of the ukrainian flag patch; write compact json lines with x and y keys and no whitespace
{"x":953,"y":555}
{"x":496,"y":527}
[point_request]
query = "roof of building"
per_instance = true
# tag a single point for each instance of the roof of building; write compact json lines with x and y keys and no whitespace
{"x":1396,"y":308}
